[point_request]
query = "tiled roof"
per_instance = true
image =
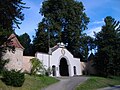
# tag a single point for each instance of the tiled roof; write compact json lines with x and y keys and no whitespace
{"x":14,"y":42}
{"x":59,"y":45}
{"x":54,"y":48}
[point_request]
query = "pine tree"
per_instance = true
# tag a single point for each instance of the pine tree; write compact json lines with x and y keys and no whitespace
{"x":108,"y":44}
{"x":10,"y":16}
{"x":11,"y":13}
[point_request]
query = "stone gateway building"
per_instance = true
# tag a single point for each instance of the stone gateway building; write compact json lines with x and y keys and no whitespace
{"x":61,"y":61}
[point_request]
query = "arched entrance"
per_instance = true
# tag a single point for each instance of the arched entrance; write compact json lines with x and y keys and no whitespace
{"x":74,"y":68}
{"x":54,"y":70}
{"x":63,"y":67}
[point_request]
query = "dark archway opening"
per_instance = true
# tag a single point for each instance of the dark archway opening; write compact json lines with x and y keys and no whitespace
{"x":74,"y":68}
{"x":54,"y":70}
{"x":64,"y":71}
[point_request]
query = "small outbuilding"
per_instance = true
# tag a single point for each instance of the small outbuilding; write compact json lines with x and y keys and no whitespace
{"x":15,"y":56}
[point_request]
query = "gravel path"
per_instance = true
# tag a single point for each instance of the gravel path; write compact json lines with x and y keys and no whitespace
{"x":66,"y":83}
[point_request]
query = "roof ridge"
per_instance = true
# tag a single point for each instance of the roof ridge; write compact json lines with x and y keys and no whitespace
{"x":15,"y":41}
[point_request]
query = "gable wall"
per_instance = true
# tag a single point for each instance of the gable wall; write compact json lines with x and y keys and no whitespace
{"x":55,"y":58}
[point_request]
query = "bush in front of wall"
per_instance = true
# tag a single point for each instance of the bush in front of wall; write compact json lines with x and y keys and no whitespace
{"x":13,"y":78}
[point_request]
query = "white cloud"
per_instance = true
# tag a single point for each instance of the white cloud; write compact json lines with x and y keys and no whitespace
{"x":98,"y":22}
{"x":94,"y":26}
{"x":92,"y":30}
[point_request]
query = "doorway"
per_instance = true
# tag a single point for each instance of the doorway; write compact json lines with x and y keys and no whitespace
{"x":74,"y":68}
{"x":64,"y":70}
{"x":54,"y":70}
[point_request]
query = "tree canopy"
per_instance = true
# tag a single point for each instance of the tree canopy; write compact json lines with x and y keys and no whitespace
{"x":10,"y":16}
{"x":108,"y":47}
{"x":63,"y":21}
{"x":26,"y":43}
{"x":86,"y":45}
{"x":11,"y":13}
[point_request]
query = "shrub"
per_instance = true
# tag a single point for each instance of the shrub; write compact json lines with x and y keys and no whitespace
{"x":13,"y":78}
{"x":2,"y":64}
{"x":37,"y":67}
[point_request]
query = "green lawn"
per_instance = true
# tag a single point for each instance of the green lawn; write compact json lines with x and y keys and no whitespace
{"x":94,"y":83}
{"x":31,"y":83}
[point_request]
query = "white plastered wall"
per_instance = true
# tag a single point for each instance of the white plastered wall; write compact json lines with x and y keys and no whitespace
{"x":56,"y":56}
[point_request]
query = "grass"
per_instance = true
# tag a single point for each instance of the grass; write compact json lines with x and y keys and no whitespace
{"x":31,"y":83}
{"x":94,"y":83}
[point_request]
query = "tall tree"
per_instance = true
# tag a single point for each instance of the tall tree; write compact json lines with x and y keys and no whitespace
{"x":86,"y":45}
{"x":26,"y":43}
{"x":63,"y":21}
{"x":10,"y":16}
{"x":40,"y":41}
{"x":11,"y":13}
{"x":108,"y":46}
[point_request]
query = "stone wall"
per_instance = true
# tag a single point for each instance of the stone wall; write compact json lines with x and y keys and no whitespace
{"x":26,"y":63}
{"x":15,"y":59}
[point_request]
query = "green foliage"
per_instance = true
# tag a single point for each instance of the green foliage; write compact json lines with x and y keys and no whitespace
{"x":3,"y":40}
{"x":31,"y":83}
{"x":2,"y":64}
{"x":26,"y":43}
{"x":10,"y":16}
{"x":48,"y":80}
{"x":108,"y":47}
{"x":13,"y":78}
{"x":48,"y":71}
{"x":40,"y":41}
{"x":11,"y":13}
{"x":3,"y":35}
{"x":37,"y":66}
{"x":94,"y":83}
{"x":86,"y":44}
{"x":63,"y":21}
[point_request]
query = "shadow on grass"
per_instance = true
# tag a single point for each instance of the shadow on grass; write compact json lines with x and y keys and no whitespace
{"x":114,"y":86}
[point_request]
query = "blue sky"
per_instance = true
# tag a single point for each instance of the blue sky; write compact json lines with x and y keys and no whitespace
{"x":96,"y":10}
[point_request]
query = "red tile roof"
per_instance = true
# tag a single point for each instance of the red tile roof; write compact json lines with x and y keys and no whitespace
{"x":14,"y":42}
